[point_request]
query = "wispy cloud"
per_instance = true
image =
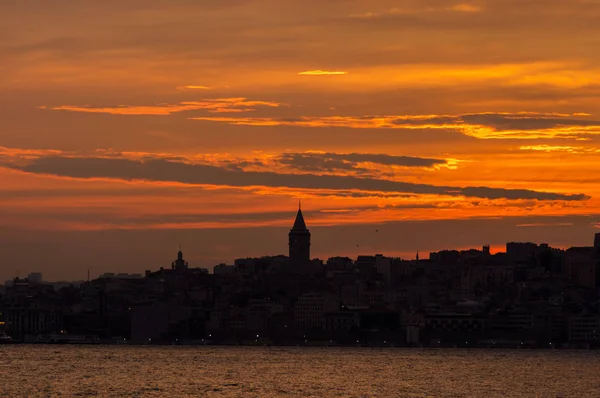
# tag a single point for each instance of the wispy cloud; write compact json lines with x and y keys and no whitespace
{"x":487,"y":125}
{"x":465,"y":8}
{"x":546,"y":225}
{"x":319,"y":72}
{"x":193,"y":88}
{"x":511,"y":75}
{"x":558,"y":148}
{"x":462,"y":8}
{"x":219,"y":105}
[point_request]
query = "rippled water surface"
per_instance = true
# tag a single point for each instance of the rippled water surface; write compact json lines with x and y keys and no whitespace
{"x":110,"y":371}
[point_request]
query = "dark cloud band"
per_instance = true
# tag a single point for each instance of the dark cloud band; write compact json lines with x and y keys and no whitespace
{"x":182,"y":172}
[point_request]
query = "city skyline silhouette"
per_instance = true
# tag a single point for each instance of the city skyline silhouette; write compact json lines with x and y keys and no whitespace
{"x":527,"y":296}
{"x":298,"y":253}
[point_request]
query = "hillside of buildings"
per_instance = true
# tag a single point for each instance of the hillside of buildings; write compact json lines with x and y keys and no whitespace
{"x":528,"y":296}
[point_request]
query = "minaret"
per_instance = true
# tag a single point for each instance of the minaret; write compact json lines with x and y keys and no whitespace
{"x":179,"y":264}
{"x":299,"y":242}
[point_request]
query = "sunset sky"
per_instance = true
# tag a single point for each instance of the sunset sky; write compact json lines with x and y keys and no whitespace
{"x":128,"y":127}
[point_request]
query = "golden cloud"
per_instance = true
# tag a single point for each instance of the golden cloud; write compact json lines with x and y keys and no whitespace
{"x":193,"y":88}
{"x":219,"y":105}
{"x":558,"y":148}
{"x":319,"y":72}
{"x":486,"y":125}
{"x":510,"y":75}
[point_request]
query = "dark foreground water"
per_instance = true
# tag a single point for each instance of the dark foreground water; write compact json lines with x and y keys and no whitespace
{"x":113,"y":371}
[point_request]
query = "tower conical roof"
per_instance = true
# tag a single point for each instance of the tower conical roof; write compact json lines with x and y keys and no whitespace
{"x":299,"y":224}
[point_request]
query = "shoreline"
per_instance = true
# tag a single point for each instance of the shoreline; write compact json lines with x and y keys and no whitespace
{"x":324,"y":346}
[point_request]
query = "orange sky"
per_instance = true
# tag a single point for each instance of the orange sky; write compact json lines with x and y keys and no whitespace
{"x":128,"y":127}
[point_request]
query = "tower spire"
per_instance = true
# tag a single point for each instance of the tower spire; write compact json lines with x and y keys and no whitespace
{"x":180,"y":263}
{"x":299,"y":224}
{"x":299,"y":241}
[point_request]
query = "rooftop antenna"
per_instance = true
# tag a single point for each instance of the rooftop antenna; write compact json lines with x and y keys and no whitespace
{"x":88,"y":271}
{"x":91,"y":267}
